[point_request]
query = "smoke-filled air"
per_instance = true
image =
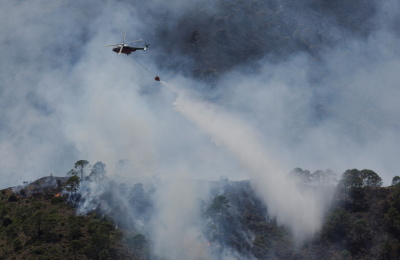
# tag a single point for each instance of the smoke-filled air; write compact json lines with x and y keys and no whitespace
{"x":247,"y":92}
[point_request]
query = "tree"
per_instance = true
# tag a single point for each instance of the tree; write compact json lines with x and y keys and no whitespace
{"x":17,"y":244}
{"x":354,"y":181}
{"x":351,"y":179}
{"x":74,"y":246}
{"x":80,"y":168}
{"x":12,"y":198}
{"x":395,"y":180}
{"x":361,"y":230}
{"x":370,"y":178}
{"x":104,"y":255}
{"x":337,"y":225}
{"x":106,"y":228}
{"x":75,"y":232}
{"x":346,"y":255}
{"x":72,"y":172}
{"x":219,"y":205}
{"x":7,"y":221}
{"x":138,"y":198}
{"x":98,"y":171}
{"x":351,"y":185}
{"x":301,"y":175}
{"x":220,"y":220}
{"x":324,"y":178}
{"x":392,"y":218}
{"x":138,"y":244}
{"x":390,"y":250}
{"x":72,"y":186}
{"x":48,"y":226}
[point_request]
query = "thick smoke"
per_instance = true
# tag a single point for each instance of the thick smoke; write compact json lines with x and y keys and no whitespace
{"x":301,"y":210}
{"x":273,"y":85}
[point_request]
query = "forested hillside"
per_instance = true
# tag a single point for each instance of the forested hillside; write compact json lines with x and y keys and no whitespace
{"x":40,"y":220}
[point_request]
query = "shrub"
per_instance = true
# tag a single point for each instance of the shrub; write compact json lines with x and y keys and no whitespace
{"x":7,"y":221}
{"x":17,"y":244}
{"x":57,"y":200}
{"x":12,"y":198}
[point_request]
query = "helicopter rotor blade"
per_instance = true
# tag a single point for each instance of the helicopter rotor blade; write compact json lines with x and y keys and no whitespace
{"x":111,"y":45}
{"x":120,"y":50}
{"x":124,"y":37}
{"x":135,"y":41}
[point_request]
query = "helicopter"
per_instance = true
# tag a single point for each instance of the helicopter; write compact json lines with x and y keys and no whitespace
{"x":125,"y":48}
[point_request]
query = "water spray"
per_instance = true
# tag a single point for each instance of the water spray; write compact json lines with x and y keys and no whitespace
{"x":300,"y":209}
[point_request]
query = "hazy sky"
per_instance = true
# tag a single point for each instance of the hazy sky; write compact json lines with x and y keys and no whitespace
{"x":64,"y":97}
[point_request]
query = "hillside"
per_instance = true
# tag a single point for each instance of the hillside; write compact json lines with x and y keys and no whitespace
{"x":39,"y":223}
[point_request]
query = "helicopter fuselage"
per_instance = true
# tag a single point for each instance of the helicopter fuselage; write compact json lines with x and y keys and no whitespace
{"x":127,"y":49}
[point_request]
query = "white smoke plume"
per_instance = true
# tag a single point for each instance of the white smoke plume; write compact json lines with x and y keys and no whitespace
{"x":294,"y":207}
{"x":179,"y":214}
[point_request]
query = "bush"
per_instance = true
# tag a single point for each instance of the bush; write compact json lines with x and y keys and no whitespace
{"x":12,"y":198}
{"x":337,"y":225}
{"x":346,"y":255}
{"x":17,"y":244}
{"x":104,"y":255}
{"x":7,"y":221}
{"x":11,"y":231}
{"x":75,"y":232}
{"x":57,"y":200}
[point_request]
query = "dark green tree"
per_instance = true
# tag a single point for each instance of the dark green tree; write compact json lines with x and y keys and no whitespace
{"x":390,"y":250}
{"x":71,"y":173}
{"x":361,"y":230}
{"x":72,"y":186}
{"x":106,"y":228}
{"x":50,"y":222}
{"x":17,"y":244}
{"x":75,"y":232}
{"x":38,"y":221}
{"x":351,"y":185}
{"x":396,"y":180}
{"x":7,"y":221}
{"x":351,"y":179}
{"x":12,"y":198}
{"x":104,"y":255}
{"x":75,"y":246}
{"x":370,"y":178}
{"x":346,"y":255}
{"x":392,"y":218}
{"x":80,"y":168}
{"x":337,"y":225}
{"x":100,"y":236}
